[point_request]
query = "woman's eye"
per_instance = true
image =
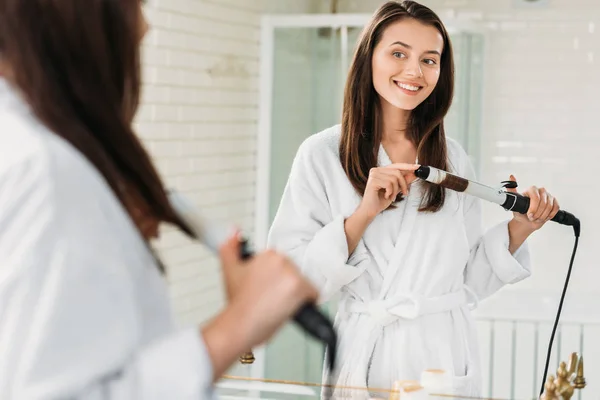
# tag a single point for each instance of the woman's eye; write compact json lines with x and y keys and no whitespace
{"x":429,"y":61}
{"x":397,"y":54}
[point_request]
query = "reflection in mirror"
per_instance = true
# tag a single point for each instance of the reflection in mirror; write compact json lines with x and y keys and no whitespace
{"x":513,"y":115}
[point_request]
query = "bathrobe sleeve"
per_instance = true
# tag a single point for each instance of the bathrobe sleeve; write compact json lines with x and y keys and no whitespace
{"x":305,"y":229}
{"x":69,"y":318}
{"x":490,"y":265}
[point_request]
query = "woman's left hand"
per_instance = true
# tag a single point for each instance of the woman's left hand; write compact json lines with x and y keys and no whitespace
{"x":542,"y":207}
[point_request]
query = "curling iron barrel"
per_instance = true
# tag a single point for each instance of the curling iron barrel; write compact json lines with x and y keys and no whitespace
{"x":509,"y":201}
{"x":213,"y":235}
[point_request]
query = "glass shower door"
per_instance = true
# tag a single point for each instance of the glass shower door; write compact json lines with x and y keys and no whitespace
{"x":308,"y":81}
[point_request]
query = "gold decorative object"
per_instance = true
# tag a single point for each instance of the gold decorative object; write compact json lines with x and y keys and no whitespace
{"x":563,"y":385}
{"x":247,"y":357}
{"x":567,"y":380}
{"x":579,"y":382}
{"x":549,"y":390}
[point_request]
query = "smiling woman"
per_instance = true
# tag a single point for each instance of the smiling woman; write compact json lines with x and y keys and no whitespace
{"x":412,"y":68}
{"x":409,"y":63}
{"x":408,"y":269}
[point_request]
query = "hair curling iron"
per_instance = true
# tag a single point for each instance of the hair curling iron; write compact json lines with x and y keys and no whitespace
{"x":508,"y":200}
{"x":512,"y":202}
{"x":213,"y":235}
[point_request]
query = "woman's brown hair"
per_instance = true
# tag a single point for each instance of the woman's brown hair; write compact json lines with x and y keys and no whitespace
{"x":361,"y":118}
{"x":77,"y":64}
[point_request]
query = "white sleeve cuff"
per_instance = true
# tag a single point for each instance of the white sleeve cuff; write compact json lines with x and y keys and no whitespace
{"x":510,"y":268}
{"x":177,"y":367}
{"x":327,"y":255}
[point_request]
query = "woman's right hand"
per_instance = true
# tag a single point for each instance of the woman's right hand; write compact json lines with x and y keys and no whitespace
{"x":262,"y":295}
{"x":383,"y":186}
{"x":269,"y":288}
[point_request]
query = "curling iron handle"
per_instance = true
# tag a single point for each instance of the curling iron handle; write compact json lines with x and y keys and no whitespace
{"x":519,"y":203}
{"x":245,"y":254}
{"x":565,"y":218}
{"x":319,"y":327}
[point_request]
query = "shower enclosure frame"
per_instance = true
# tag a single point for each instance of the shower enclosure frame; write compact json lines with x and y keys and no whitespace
{"x":269,"y":23}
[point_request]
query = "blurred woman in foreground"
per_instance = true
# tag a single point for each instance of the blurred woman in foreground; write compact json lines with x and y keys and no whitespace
{"x":84,"y":310}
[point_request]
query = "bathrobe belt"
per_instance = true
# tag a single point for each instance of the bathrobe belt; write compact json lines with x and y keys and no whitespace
{"x":357,"y":353}
{"x":406,"y":306}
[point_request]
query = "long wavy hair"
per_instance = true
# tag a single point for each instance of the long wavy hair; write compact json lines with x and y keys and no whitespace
{"x":77,"y":63}
{"x":362,"y":112}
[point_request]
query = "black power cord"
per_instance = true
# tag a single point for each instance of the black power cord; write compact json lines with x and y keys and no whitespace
{"x":576,"y":229}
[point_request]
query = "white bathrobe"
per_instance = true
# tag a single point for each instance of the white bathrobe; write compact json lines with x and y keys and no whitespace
{"x":84,"y":311}
{"x":408,"y":288}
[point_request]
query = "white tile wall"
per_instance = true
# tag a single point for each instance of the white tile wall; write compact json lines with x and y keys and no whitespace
{"x":291,"y":6}
{"x":198,"y":119}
